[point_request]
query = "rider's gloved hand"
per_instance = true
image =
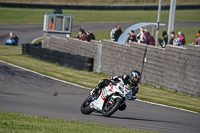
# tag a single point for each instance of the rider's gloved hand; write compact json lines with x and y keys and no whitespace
{"x":92,"y":93}
{"x":114,"y":78}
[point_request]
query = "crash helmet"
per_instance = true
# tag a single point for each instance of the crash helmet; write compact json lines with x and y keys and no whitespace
{"x":135,"y":76}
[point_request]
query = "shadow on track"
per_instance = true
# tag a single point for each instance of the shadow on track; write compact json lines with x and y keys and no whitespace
{"x":134,"y":119}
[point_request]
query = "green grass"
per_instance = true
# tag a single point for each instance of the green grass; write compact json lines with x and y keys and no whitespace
{"x":25,"y":15}
{"x":90,"y":79}
{"x":20,"y":123}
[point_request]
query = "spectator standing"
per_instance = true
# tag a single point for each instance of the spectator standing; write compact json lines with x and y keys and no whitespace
{"x":149,"y":39}
{"x":198,"y":34}
{"x":128,"y":40}
{"x":197,"y":42}
{"x":165,"y":39}
{"x":140,"y":35}
{"x":117,"y":34}
{"x":82,"y":36}
{"x":182,"y":37}
{"x":112,"y":33}
{"x":163,"y":42}
{"x":119,"y":28}
{"x":133,"y":35}
{"x":90,"y":36}
{"x":177,"y":42}
{"x":172,"y":35}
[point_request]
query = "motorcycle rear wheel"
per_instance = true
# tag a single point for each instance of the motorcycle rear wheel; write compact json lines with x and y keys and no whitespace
{"x":85,"y":107}
{"x":108,"y":111}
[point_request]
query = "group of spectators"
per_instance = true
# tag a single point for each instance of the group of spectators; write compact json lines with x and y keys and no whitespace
{"x":142,"y":37}
{"x":115,"y":33}
{"x":178,"y":40}
{"x":145,"y":37}
{"x":82,"y":35}
{"x":130,"y":37}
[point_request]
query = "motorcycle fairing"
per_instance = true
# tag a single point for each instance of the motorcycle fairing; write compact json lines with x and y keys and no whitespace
{"x":105,"y":92}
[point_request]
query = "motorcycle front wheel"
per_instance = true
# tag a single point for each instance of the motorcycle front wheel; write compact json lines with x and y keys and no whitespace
{"x":85,"y":107}
{"x":109,"y":109}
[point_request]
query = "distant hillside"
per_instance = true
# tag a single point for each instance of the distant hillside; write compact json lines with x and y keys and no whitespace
{"x":103,"y":2}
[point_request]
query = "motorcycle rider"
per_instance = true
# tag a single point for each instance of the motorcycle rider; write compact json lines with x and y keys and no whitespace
{"x":131,"y":80}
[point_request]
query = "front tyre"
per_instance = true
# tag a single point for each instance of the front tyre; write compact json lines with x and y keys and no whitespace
{"x":85,"y":107}
{"x":109,"y":109}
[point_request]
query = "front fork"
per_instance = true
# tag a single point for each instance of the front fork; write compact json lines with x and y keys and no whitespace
{"x":112,"y":99}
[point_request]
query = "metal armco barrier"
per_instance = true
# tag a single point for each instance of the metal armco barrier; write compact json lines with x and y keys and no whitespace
{"x":97,"y":7}
{"x":62,"y":58}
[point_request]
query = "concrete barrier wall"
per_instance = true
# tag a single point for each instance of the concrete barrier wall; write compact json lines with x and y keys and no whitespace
{"x":192,"y":70}
{"x":153,"y":66}
{"x":72,"y":46}
{"x":118,"y":59}
{"x":174,"y":68}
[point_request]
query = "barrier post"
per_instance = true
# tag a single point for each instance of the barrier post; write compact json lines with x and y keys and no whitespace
{"x":98,"y":68}
{"x":171,"y":18}
{"x":158,"y":21}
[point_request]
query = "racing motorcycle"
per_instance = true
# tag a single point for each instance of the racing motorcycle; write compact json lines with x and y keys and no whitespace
{"x":108,"y":100}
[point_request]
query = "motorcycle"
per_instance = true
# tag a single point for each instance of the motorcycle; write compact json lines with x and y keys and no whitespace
{"x":108,"y":100}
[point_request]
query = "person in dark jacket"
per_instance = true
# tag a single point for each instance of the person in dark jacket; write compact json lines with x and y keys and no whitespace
{"x":172,"y":35}
{"x":117,"y":34}
{"x":16,"y":40}
{"x":149,"y":39}
{"x":163,"y":42}
{"x":90,"y":36}
{"x":165,"y":37}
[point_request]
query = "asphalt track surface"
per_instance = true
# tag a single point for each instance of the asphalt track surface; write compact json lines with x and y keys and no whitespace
{"x":28,"y":32}
{"x":25,"y":92}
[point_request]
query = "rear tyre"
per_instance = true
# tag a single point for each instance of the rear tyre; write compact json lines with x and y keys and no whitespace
{"x":109,"y":109}
{"x":85,"y":107}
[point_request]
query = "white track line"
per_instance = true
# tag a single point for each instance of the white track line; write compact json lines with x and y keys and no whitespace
{"x":36,"y":39}
{"x":44,"y":75}
{"x":167,"y":106}
{"x":90,"y":88}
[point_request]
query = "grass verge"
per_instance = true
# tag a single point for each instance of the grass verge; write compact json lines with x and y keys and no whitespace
{"x":25,"y":15}
{"x":15,"y":122}
{"x":90,"y":79}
